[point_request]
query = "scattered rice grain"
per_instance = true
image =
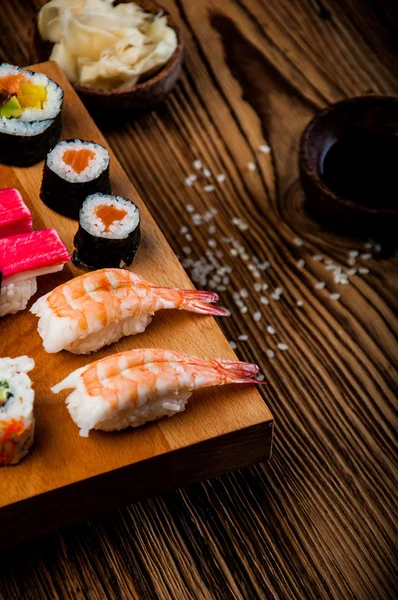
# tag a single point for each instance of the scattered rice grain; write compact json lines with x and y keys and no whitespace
{"x":265,"y":149}
{"x":271,"y":330}
{"x":319,"y":285}
{"x":283,"y":347}
{"x":196,"y":219}
{"x":257,"y":316}
{"x":300,"y":264}
{"x":270,"y":353}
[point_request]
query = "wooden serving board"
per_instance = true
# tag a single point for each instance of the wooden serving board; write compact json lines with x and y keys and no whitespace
{"x":66,"y":477}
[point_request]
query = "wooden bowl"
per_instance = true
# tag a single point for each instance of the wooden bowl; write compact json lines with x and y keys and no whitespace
{"x":375,"y":115}
{"x":145,"y":94}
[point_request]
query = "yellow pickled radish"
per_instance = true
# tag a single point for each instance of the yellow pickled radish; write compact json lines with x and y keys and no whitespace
{"x":38,"y":92}
{"x":31,"y":101}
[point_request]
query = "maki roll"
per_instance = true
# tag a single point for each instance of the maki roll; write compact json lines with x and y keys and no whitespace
{"x":108,"y":234}
{"x":30,"y":115}
{"x":73,"y":170}
{"x":16,"y":409}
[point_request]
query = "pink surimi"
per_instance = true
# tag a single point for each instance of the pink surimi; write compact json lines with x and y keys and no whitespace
{"x":31,"y":254}
{"x":15,"y":217}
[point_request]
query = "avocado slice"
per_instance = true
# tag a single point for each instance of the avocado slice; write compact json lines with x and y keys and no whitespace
{"x":11,"y":109}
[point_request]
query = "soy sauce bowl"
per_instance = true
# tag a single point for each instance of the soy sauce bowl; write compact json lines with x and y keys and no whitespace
{"x":362,"y":120}
{"x":145,"y":94}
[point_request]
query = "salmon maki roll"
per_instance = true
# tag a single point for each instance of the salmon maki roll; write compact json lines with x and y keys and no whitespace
{"x":73,"y":170}
{"x":108,"y":234}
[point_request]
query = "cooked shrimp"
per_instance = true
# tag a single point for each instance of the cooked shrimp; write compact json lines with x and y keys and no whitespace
{"x":131,"y":388}
{"x":98,"y":308}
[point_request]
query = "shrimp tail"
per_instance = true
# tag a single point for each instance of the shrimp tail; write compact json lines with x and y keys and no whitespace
{"x":238,"y":371}
{"x":200,"y":302}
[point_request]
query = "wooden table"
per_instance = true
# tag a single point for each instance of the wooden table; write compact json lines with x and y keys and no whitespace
{"x":319,"y":521}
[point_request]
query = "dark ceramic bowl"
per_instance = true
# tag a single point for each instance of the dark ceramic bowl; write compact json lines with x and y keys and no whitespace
{"x":143,"y":95}
{"x":377,"y":115}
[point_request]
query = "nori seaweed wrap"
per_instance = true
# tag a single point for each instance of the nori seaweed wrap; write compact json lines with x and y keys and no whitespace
{"x":108,"y":234}
{"x":73,"y":170}
{"x":30,"y":115}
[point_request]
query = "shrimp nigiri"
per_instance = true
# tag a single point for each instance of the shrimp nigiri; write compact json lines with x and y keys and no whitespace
{"x":98,"y":308}
{"x":132,"y":388}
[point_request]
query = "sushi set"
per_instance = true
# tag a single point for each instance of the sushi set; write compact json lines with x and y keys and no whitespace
{"x":83,"y":270}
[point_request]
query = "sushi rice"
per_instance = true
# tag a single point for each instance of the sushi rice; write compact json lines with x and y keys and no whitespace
{"x":23,"y":128}
{"x":16,"y":409}
{"x":15,"y":296}
{"x":119,"y":229}
{"x":97,"y":164}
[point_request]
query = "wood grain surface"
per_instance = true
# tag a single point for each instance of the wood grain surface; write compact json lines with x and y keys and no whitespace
{"x":233,"y":422}
{"x":319,"y":521}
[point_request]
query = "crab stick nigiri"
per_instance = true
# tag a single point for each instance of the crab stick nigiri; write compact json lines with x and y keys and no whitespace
{"x":22,"y":258}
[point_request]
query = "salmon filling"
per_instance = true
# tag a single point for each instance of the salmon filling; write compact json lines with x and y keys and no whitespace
{"x":12,"y":83}
{"x":78,"y":159}
{"x":110,"y":214}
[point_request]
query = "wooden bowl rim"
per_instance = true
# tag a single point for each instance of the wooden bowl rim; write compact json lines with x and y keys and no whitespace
{"x":148,"y":83}
{"x":314,"y":175}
